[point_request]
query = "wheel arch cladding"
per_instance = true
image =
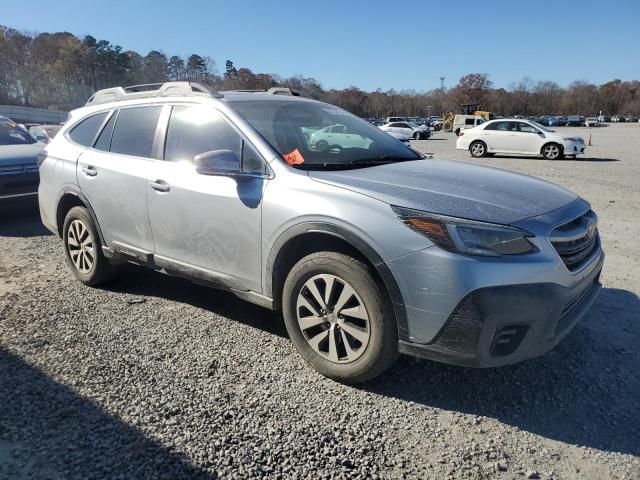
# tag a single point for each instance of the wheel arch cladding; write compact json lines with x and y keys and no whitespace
{"x":306,"y":238}
{"x":70,"y":198}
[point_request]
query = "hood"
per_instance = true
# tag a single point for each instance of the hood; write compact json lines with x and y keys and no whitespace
{"x":13,"y":155}
{"x":452,"y":188}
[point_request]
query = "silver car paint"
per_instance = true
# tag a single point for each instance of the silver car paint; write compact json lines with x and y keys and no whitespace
{"x":212,"y":225}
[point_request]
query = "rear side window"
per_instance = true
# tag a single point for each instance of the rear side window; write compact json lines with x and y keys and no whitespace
{"x":502,"y":126}
{"x":134,"y":131}
{"x":197,"y":129}
{"x":469,"y":121}
{"x":85,"y":131}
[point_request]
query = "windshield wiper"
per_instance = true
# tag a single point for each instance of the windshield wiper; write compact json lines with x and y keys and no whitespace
{"x":381,"y":160}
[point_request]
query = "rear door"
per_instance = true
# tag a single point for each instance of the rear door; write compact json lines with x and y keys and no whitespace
{"x":496,"y":136}
{"x":114,"y":175}
{"x":207,"y":225}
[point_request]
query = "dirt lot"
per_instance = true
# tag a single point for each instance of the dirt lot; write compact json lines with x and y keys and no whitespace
{"x":154,"y":377}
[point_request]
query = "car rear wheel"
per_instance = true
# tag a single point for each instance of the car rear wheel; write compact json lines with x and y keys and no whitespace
{"x":338,"y":317}
{"x":83,"y":249}
{"x":552,"y":151}
{"x":478,"y":149}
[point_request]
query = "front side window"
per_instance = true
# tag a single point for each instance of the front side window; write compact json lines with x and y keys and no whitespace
{"x":134,"y":131}
{"x":84,"y":133}
{"x":285,"y":125}
{"x":197,"y":129}
{"x":526,"y":128}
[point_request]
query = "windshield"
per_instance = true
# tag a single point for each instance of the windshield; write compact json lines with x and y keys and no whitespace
{"x":317,"y":135}
{"x":12,"y":134}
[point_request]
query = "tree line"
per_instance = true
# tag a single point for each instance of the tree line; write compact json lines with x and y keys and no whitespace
{"x":61,"y":71}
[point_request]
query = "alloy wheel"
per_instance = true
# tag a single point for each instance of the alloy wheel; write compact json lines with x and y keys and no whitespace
{"x":80,"y":246}
{"x":551,"y":151}
{"x":477,"y":149}
{"x":333,"y":318}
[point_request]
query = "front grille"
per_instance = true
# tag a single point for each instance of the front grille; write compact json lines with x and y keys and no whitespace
{"x":576,"y":240}
{"x":18,"y":169}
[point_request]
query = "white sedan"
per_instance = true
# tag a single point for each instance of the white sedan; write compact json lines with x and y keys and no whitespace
{"x":337,"y":134}
{"x":403,"y":139}
{"x":419,"y":132}
{"x":519,"y":137}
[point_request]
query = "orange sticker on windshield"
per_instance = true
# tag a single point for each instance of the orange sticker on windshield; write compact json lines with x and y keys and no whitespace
{"x":294,"y":158}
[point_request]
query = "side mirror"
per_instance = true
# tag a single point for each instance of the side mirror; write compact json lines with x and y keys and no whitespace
{"x":217,"y":162}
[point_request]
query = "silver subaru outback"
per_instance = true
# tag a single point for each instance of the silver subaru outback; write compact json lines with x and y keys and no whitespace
{"x":367,"y":247}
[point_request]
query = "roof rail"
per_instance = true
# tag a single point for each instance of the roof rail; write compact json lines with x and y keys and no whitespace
{"x":167,"y":89}
{"x":270,"y":91}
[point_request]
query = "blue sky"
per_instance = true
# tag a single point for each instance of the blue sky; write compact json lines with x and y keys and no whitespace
{"x":370,"y":44}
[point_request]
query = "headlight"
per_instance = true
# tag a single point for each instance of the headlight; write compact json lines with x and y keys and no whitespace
{"x":465,"y":236}
{"x":573,"y":139}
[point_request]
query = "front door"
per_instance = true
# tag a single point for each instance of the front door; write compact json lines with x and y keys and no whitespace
{"x":525,"y":138}
{"x":207,"y":225}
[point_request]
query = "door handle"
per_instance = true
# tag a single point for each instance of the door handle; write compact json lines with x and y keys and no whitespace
{"x":160,"y":186}
{"x":90,"y":171}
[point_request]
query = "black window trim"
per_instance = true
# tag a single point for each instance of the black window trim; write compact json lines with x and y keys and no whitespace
{"x":102,"y":127}
{"x":163,"y":127}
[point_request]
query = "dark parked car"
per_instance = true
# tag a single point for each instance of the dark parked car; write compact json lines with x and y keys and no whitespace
{"x":574,"y":121}
{"x":18,"y":162}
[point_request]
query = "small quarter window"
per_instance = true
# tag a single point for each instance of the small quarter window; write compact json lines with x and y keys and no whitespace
{"x":85,"y":132}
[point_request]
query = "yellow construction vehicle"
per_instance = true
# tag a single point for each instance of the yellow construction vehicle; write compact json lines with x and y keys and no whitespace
{"x":467,"y":109}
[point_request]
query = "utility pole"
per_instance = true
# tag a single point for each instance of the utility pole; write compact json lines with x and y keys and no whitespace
{"x":442,"y":83}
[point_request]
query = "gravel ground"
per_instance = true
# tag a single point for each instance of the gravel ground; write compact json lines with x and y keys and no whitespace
{"x":154,"y":377}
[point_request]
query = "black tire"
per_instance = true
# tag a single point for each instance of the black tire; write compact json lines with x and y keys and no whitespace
{"x":552,"y":151}
{"x":478,"y":149}
{"x":101,"y":271}
{"x":380,"y":352}
{"x":417,"y":136}
{"x":322,"y":145}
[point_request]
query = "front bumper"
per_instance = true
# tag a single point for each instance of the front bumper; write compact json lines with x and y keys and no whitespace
{"x":498,"y":326}
{"x":18,"y":185}
{"x":574,"y":148}
{"x":492,"y":311}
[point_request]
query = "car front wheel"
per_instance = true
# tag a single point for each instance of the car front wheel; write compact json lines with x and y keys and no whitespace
{"x":338,"y":317}
{"x":552,"y":151}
